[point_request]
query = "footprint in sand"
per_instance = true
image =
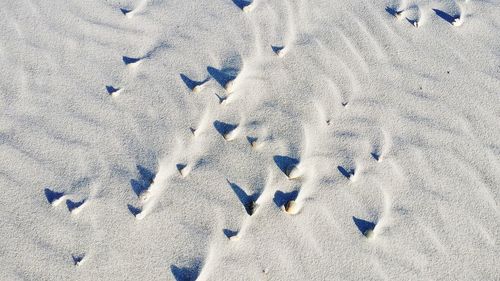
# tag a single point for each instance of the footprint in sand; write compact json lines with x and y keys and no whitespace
{"x":78,"y":259}
{"x":146,"y":178}
{"x":75,"y":206}
{"x":376,"y":155}
{"x":381,"y":146}
{"x":222,"y":99}
{"x":289,"y":166}
{"x":412,"y":14}
{"x":349,"y":173}
{"x":53,"y":197}
{"x":228,"y":131}
{"x":245,"y":5}
{"x":134,"y":210}
{"x":189,"y":273}
{"x":455,"y":20}
{"x":226,"y":77}
{"x":129,"y":13}
{"x":231,"y":235}
{"x":248,"y":201}
{"x":141,"y":187}
{"x":287,"y":201}
{"x":112,"y":91}
{"x":183,"y":169}
{"x":194,"y":86}
{"x":255,"y":142}
{"x":131,"y":61}
{"x":365,"y":227}
{"x":279,"y":50}
{"x":398,"y":14}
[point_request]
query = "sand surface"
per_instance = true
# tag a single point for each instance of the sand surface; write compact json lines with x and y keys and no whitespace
{"x":250,"y":140}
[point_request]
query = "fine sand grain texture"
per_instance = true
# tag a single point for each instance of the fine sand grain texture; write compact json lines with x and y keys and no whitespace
{"x":250,"y":140}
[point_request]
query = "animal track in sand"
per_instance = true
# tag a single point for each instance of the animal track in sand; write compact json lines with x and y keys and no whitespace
{"x":189,"y":273}
{"x":149,"y":197}
{"x":245,"y":5}
{"x":131,"y":61}
{"x":397,"y":14}
{"x":348,"y":173}
{"x":381,"y":146}
{"x":279,"y":50}
{"x":129,"y":13}
{"x":133,"y":210}
{"x":376,"y":156}
{"x":125,"y":11}
{"x":365,"y":227}
{"x":248,"y":201}
{"x":202,"y":125}
{"x":231,"y":235}
{"x":412,"y":14}
{"x":455,"y":20}
{"x":146,"y":178}
{"x":227,"y":131}
{"x":141,"y":188}
{"x":288,"y":165}
{"x":255,"y":143}
{"x":194,"y":86}
{"x":222,"y":99}
{"x":225,"y":77}
{"x":53,"y":197}
{"x":75,"y":206}
{"x":183,"y":169}
{"x":78,"y":259}
{"x":112,"y":91}
{"x":414,"y":22}
{"x":287,"y":201}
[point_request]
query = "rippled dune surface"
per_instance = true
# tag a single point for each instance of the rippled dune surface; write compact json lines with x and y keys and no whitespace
{"x":250,"y":140}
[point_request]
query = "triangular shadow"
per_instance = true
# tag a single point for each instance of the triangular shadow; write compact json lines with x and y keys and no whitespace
{"x":224,"y":128}
{"x":191,"y":84}
{"x":391,"y":11}
{"x":222,"y":76}
{"x":248,"y":201}
{"x":111,"y":90}
{"x":242,"y":3}
{"x":52,"y":195}
{"x":345,"y":172}
{"x":363,"y":225}
{"x":146,"y":177}
{"x":229,"y":233}
{"x":285,"y":162}
{"x":73,"y":205}
{"x":133,"y":210}
{"x":185,"y":273}
{"x":125,"y":11}
{"x":447,"y":17}
{"x":281,"y":198}
{"x":129,"y":60}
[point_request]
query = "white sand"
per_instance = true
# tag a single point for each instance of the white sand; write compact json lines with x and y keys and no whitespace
{"x":385,"y":137}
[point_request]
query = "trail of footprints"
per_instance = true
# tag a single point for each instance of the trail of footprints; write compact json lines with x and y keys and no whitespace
{"x":55,"y":198}
{"x":415,"y":15}
{"x":288,"y":202}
